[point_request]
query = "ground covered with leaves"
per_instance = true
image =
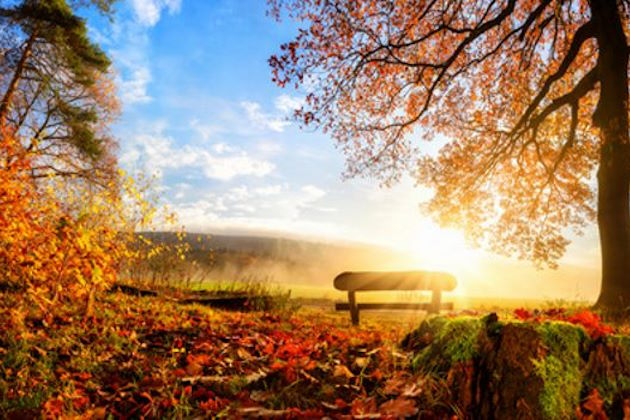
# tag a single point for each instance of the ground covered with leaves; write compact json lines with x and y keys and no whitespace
{"x":151,"y":357}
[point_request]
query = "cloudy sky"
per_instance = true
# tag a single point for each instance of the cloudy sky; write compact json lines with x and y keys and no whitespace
{"x":200,"y":111}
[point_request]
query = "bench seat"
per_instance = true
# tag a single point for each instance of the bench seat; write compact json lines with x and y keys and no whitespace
{"x":343,"y":306}
{"x":356,"y":281}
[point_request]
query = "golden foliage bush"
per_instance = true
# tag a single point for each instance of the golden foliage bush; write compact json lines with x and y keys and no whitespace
{"x":64,"y":238}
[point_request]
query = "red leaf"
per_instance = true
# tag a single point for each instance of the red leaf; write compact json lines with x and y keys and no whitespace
{"x":592,"y":408}
{"x":54,"y":407}
{"x":522,"y":314}
{"x":591,"y":323}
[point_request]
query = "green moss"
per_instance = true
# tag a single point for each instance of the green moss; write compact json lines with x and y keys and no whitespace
{"x":466,"y":347}
{"x":455,"y":340}
{"x":608,"y":385}
{"x":560,"y":369}
{"x":623,"y":343}
{"x":434,"y":325}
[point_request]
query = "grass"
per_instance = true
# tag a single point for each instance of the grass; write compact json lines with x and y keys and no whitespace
{"x":460,"y":302}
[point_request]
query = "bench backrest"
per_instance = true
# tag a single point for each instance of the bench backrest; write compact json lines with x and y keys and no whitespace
{"x":396,"y":280}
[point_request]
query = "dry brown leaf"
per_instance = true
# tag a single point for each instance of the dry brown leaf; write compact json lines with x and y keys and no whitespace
{"x":342,"y":371}
{"x":243,"y":354}
{"x":399,"y":408}
{"x":395,"y":384}
{"x":361,"y":362}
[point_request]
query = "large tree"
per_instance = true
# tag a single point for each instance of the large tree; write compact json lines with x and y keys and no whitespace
{"x":56,"y":92}
{"x":528,"y":100}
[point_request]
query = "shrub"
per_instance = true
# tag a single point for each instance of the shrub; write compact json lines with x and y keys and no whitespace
{"x":63,"y":238}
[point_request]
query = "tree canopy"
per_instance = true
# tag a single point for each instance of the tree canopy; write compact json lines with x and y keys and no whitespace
{"x":519,"y":95}
{"x":57,"y":93}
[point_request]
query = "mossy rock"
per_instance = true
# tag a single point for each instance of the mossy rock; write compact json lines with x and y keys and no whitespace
{"x":503,"y":370}
{"x":559,"y":369}
{"x":452,"y":342}
{"x":508,"y":384}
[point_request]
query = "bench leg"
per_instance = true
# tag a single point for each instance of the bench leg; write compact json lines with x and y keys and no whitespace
{"x":436,"y":302}
{"x":354,"y":309}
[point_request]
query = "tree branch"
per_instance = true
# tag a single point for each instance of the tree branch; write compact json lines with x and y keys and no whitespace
{"x":583,"y":33}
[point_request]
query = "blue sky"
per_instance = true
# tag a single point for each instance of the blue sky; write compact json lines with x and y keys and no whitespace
{"x":200,"y":110}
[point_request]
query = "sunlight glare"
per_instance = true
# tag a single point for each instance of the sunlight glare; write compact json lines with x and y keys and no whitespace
{"x":437,"y":249}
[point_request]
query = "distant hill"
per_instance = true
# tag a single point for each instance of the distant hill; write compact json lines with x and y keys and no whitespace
{"x":282,"y":260}
{"x":315,"y":264}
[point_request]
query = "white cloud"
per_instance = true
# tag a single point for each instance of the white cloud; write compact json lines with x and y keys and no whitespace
{"x":226,"y":168}
{"x":128,"y":44}
{"x":269,"y":190}
{"x":245,"y":208}
{"x":221,"y":148}
{"x":206,"y":131}
{"x":239,"y":193}
{"x":271,"y":202}
{"x":287,"y":103}
{"x":157,"y":152}
{"x":266,"y":209}
{"x":261,"y":119}
{"x":148,"y":12}
{"x":269,"y":147}
{"x":134,"y":88}
{"x":312,"y":193}
{"x":206,"y":215}
{"x":181,"y":188}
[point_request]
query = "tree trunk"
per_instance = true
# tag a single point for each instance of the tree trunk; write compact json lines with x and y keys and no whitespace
{"x":614,"y":226}
{"x":7,"y":99}
{"x":611,"y":116}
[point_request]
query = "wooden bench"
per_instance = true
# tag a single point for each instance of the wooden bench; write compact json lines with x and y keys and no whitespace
{"x":402,"y":280}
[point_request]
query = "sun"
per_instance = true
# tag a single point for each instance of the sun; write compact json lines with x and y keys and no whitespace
{"x":437,"y":249}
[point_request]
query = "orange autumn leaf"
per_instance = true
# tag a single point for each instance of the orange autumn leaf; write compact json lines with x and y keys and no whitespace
{"x":62,"y":240}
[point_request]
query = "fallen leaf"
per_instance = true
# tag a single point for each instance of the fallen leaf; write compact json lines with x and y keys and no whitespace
{"x":194,"y":369}
{"x":243,"y":354}
{"x":342,"y":371}
{"x":395,"y":384}
{"x":259,"y":396}
{"x":362,"y":407}
{"x":399,"y":408}
{"x":594,"y":407}
{"x":361,"y":362}
{"x":412,"y":391}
